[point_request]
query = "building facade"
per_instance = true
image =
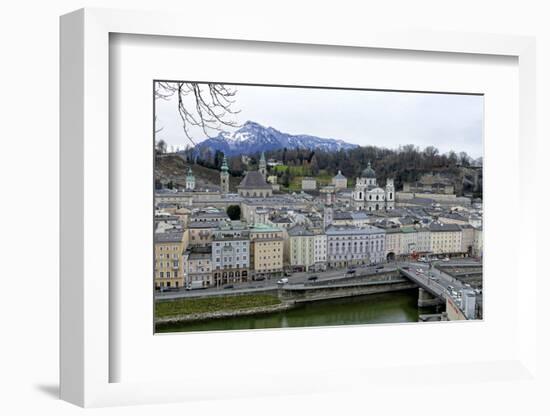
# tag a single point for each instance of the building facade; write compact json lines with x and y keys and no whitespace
{"x":200,"y":232}
{"x":267,"y":251}
{"x":445,"y":238}
{"x":309,"y":184}
{"x":320,"y":251}
{"x":301,"y":248}
{"x":339,"y":181}
{"x":478,"y":242}
{"x":367,"y":195}
{"x":198,"y":266}
{"x":348,"y":246}
{"x":230,"y":254}
{"x":169,"y":267}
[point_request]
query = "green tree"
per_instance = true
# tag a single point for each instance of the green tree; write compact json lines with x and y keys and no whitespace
{"x":234,"y":212}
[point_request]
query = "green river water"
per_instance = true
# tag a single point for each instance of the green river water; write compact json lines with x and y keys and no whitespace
{"x":394,"y":307}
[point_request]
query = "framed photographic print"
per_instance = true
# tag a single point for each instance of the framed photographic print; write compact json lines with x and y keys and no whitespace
{"x":297,"y":209}
{"x":258,"y":228}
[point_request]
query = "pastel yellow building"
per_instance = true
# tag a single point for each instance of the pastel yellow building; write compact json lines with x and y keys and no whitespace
{"x":445,"y":238}
{"x":267,"y":250}
{"x":169,"y":248}
{"x":393,"y":243}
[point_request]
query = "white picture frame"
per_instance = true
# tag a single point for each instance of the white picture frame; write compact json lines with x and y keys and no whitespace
{"x":85,"y":352}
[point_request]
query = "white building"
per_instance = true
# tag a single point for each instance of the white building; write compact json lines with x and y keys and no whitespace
{"x":301,"y":247}
{"x":189,"y":180}
{"x":478,"y":242}
{"x":347,"y":246}
{"x":409,"y":241}
{"x":423,"y":240}
{"x":320,"y":251}
{"x":309,"y":184}
{"x":369,"y":196}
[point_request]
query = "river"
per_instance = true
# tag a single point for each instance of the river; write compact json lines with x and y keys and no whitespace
{"x":394,"y":307}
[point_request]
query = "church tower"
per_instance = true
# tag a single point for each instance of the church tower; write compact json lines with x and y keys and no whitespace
{"x":263,"y":166}
{"x":224,"y":177}
{"x":390,"y":195}
{"x":189,"y":180}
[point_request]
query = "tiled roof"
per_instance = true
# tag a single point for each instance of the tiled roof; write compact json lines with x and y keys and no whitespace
{"x":254,"y":180}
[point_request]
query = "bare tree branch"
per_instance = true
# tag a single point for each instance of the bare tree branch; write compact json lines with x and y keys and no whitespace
{"x":206,"y":106}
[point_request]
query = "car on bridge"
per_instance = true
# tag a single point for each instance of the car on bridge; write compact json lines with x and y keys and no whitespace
{"x":282,"y":281}
{"x":312,"y":278}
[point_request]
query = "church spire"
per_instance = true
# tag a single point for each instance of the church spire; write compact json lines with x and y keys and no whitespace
{"x":224,"y":176}
{"x":225,"y":168}
{"x":263,"y":166}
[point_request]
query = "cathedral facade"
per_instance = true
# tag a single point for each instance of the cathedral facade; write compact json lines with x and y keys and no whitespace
{"x":368,"y":196}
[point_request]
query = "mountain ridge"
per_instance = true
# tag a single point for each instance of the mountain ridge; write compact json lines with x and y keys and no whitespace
{"x":252,"y":137}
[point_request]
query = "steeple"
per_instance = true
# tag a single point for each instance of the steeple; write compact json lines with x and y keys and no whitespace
{"x":224,"y":176}
{"x":263,"y":166}
{"x":190,"y":180}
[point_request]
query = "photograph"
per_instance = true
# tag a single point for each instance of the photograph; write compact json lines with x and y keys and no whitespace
{"x":283,"y":206}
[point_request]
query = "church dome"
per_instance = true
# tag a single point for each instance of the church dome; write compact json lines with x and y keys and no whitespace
{"x":368,"y":172}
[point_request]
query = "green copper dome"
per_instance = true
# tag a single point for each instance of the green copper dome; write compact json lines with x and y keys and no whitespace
{"x":368,"y":172}
{"x":225,"y":168}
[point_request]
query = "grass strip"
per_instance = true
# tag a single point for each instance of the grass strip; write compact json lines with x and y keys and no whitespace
{"x":183,"y":306}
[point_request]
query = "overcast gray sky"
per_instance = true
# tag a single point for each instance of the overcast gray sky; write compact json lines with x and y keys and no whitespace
{"x":379,"y":118}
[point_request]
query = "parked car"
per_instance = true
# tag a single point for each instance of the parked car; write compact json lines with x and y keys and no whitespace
{"x":259,"y":278}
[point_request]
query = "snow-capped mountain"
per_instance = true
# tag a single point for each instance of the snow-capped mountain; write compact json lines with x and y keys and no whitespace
{"x":253,"y":137}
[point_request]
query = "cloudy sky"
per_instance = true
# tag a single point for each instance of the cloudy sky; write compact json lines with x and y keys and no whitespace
{"x":379,"y":118}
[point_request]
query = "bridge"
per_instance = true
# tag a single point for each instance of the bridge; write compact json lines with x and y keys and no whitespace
{"x":441,"y":287}
{"x":433,"y":282}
